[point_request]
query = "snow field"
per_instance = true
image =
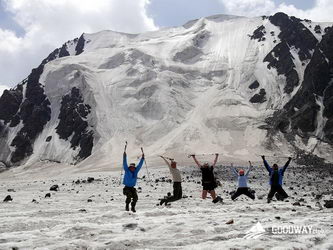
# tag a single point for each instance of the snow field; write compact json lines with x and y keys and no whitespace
{"x":68,"y":221}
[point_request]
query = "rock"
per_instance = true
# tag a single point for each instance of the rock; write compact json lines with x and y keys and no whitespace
{"x":54,"y":188}
{"x":318,"y":196}
{"x":278,"y":217}
{"x":82,"y":210}
{"x":8,"y":198}
{"x":230,"y":222}
{"x":90,"y":179}
{"x":297,"y":203}
{"x":254,"y":85}
{"x":259,"y":34}
{"x":10,"y":190}
{"x":34,"y":201}
{"x":130,"y":226}
{"x":73,"y":123}
{"x":48,"y":195}
{"x":328,"y":203}
{"x":259,"y":98}
{"x":89,"y":200}
{"x":77,"y":181}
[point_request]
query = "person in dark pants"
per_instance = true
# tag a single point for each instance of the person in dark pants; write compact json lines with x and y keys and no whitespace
{"x":242,"y":184}
{"x":130,"y":179}
{"x":208,"y":179}
{"x":276,"y":180}
{"x":177,"y":182}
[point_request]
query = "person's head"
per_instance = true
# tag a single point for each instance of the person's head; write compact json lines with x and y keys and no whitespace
{"x":275,"y":167}
{"x":206,"y":165}
{"x":173,"y":164}
{"x":132,"y":167}
{"x":241,"y":172}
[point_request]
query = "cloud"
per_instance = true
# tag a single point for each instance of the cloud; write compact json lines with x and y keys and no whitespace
{"x":320,"y":12}
{"x":49,"y":23}
{"x":249,"y":7}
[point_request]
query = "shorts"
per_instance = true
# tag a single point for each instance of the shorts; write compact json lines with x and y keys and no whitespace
{"x":210,"y":186}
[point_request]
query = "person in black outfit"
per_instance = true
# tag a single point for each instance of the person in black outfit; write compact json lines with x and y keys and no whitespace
{"x":276,"y":180}
{"x":208,"y":178}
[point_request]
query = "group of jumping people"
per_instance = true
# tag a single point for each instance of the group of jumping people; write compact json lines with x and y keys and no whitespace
{"x":209,"y":182}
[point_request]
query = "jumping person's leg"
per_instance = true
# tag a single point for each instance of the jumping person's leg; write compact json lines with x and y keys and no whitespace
{"x":236,"y":194}
{"x":249,"y":194}
{"x":204,"y":194}
{"x":282,"y":194}
{"x":271,"y":193}
{"x":212,"y":194}
{"x":127,"y":193}
{"x":134,"y":199}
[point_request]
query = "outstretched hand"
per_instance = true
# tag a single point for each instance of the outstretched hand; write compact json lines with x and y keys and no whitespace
{"x":289,"y":158}
{"x":124,"y":153}
{"x":263,"y":157}
{"x":143,"y":155}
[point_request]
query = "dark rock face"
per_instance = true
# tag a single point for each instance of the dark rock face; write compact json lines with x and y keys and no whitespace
{"x":72,"y":120}
{"x":10,"y":102}
{"x":281,"y":59}
{"x":80,"y":45}
{"x":254,"y":85}
{"x":34,"y":111}
{"x":301,"y":111}
{"x":259,"y":34}
{"x":293,"y":34}
{"x":259,"y":98}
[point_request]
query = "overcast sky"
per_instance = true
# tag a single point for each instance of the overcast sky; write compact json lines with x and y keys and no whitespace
{"x":31,"y":29}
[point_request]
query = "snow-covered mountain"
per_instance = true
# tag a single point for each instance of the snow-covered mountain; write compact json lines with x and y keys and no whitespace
{"x":234,"y":85}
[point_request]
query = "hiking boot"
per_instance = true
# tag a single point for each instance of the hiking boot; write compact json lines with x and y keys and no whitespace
{"x":127,"y":207}
{"x":162,"y":202}
{"x":269,"y":200}
{"x":133,"y":209}
{"x":217,"y":199}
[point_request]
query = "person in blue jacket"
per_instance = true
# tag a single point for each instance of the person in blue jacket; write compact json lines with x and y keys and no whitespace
{"x":276,"y":180}
{"x":242,"y":183}
{"x":130,"y":179}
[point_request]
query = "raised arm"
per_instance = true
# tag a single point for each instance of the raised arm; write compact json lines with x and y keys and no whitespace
{"x":269,"y":169}
{"x":234,"y":170}
{"x":166,"y":161}
{"x":215,"y":161}
{"x":249,"y":170}
{"x":286,"y":165}
{"x":125,"y":165}
{"x":140,"y":163}
{"x":196,"y":161}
